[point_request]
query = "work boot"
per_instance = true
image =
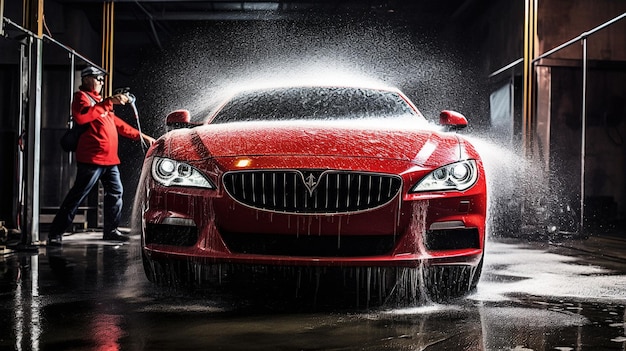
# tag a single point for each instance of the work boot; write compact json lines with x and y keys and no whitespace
{"x":115,"y":235}
{"x":55,"y":240}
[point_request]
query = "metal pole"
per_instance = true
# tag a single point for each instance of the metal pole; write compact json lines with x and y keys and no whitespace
{"x":70,"y":120}
{"x":1,"y":17}
{"x":36,"y":145}
{"x":583,"y":138}
{"x":73,"y":53}
{"x":25,"y":137}
{"x":71,"y":77}
{"x":509,"y":66}
{"x":51,"y":40}
{"x":30,"y":234}
{"x":25,"y":48}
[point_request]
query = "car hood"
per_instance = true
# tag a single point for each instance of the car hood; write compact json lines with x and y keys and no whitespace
{"x":419,"y":146}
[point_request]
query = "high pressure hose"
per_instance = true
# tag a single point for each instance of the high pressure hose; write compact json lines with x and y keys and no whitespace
{"x":132,"y":99}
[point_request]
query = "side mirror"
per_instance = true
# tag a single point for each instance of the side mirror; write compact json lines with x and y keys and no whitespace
{"x":178,"y":119}
{"x":452,"y":119}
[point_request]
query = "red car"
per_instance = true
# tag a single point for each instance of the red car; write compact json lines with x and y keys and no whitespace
{"x":316,"y":176}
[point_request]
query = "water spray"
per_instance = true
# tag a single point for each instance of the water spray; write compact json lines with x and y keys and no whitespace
{"x":131,"y":101}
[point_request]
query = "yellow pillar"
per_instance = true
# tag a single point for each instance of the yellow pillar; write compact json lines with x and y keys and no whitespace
{"x":528,"y":118}
{"x":33,"y":16}
{"x":107,"y":44}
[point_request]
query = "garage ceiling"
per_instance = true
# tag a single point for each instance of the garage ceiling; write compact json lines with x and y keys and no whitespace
{"x":158,"y":18}
{"x":177,"y":10}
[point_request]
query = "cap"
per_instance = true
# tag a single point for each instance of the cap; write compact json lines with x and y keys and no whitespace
{"x":92,"y":71}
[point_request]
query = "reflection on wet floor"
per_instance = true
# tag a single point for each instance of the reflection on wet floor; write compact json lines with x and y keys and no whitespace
{"x":542,"y":271}
{"x":93,"y":295}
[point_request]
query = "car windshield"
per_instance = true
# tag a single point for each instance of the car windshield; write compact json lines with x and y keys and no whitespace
{"x":313,"y":103}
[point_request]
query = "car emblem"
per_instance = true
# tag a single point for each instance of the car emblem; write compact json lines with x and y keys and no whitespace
{"x":311,"y":181}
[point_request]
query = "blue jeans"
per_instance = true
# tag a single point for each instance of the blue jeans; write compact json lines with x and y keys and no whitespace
{"x":87,"y":176}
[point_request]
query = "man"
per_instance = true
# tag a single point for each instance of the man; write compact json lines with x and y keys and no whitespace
{"x":96,"y":156}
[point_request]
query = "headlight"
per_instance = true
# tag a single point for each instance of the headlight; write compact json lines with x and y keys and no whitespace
{"x":456,"y":176}
{"x":174,"y":173}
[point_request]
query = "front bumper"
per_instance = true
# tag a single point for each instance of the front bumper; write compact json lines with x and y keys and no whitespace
{"x":189,"y":225}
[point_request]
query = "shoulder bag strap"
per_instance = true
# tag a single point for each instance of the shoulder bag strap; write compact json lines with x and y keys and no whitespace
{"x":93,"y":101}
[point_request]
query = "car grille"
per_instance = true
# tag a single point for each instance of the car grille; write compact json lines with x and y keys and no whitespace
{"x":312,"y":191}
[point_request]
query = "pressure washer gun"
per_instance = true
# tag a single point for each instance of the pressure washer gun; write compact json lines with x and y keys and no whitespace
{"x":131,"y":100}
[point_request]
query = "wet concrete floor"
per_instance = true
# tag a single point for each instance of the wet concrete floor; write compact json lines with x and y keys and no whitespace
{"x":93,"y":295}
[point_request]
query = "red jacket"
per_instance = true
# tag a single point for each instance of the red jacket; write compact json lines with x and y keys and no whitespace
{"x":98,"y":145}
